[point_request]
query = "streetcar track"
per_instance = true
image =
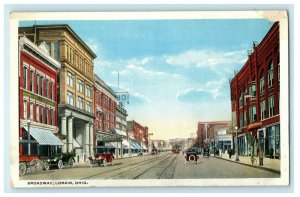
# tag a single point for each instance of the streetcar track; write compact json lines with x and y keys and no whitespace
{"x":145,"y":162}
{"x":151,"y":168}
{"x":167,"y":168}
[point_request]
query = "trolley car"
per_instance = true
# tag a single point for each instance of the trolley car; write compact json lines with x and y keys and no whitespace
{"x":176,"y":149}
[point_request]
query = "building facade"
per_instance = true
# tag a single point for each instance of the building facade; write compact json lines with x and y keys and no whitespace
{"x":206,"y":134}
{"x":105,"y":109}
{"x":38,"y":74}
{"x":139,"y":132}
{"x":255,"y":98}
{"x":121,"y":115}
{"x":75,"y":109}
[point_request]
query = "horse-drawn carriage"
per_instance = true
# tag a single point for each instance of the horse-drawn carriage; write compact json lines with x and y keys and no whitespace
{"x":32,"y":163}
{"x":101,"y":156}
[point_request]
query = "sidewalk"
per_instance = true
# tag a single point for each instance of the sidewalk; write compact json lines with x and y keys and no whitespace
{"x":272,"y":165}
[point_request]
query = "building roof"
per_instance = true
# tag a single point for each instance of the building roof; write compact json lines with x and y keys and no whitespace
{"x":70,"y":30}
{"x":101,"y":83}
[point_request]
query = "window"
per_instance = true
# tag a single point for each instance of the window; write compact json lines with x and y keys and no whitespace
{"x":278,"y":68}
{"x":52,"y":116}
{"x":80,"y":102}
{"x":79,"y":86}
{"x":41,"y":85}
{"x":270,"y":75}
{"x":52,"y":85}
{"x":245,"y":119}
{"x":252,"y":113}
{"x":31,"y":80}
{"x":70,"y":78}
{"x":262,"y":82}
{"x":241,"y":120}
{"x":47,"y":88}
{"x":252,"y":90}
{"x":56,"y":50}
{"x":31,"y":111}
{"x":42,"y":114}
{"x":47,"y":116}
{"x":37,"y":114}
{"x":38,"y":84}
{"x":89,"y":106}
{"x":271,"y":106}
{"x":241,"y":101}
{"x":88,"y":91}
{"x":25,"y":109}
{"x":25,"y":77}
{"x":70,"y":97}
{"x":263,"y":114}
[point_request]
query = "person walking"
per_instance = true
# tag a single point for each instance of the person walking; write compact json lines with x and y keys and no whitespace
{"x":230,"y":153}
{"x":261,"y":157}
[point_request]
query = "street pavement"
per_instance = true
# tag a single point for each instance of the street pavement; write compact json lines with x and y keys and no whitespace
{"x":165,"y":165}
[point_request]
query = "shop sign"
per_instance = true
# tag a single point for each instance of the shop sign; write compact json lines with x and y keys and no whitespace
{"x":38,"y":98}
{"x":254,"y":125}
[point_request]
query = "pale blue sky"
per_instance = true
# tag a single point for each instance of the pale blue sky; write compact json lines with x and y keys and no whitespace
{"x":176,"y":71}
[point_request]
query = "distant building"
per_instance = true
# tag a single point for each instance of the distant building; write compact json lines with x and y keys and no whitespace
{"x":255,"y":98}
{"x":205,"y":137}
{"x":139,"y":132}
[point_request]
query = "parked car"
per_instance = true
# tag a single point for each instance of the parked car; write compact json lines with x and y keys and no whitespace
{"x":62,"y":159}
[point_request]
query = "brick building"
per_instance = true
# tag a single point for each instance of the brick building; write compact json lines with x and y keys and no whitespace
{"x":139,"y":132}
{"x":105,"y":107}
{"x":75,"y":108}
{"x":255,"y":98}
{"x":38,"y":73}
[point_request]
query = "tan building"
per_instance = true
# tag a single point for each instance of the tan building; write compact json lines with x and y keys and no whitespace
{"x":75,"y":85}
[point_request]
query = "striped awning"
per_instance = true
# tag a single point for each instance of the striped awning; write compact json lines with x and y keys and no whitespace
{"x":44,"y":136}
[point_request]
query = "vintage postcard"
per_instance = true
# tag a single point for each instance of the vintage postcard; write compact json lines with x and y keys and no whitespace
{"x":119,"y":99}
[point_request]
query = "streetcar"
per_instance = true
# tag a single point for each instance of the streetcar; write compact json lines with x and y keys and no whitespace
{"x":176,"y":149}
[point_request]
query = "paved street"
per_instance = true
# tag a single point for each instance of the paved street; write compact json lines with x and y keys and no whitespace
{"x":163,"y":166}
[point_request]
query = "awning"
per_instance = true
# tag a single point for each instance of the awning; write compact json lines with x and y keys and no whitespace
{"x":76,"y":144}
{"x":144,"y":147}
{"x":120,"y":132}
{"x":44,"y":137}
{"x":125,"y":144}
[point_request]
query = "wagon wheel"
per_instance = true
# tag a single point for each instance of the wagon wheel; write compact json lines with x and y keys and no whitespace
{"x":60,"y":164}
{"x":34,"y":165}
{"x":22,"y":168}
{"x":46,"y":165}
{"x":104,"y":162}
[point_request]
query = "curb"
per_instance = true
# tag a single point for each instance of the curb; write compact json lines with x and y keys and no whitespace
{"x":263,"y":168}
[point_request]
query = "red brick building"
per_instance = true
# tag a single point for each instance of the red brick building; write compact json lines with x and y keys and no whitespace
{"x":105,"y":102}
{"x":140,"y":133}
{"x":38,"y":73}
{"x":255,"y":98}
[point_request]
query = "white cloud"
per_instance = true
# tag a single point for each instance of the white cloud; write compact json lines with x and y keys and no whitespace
{"x":206,"y":58}
{"x":141,"y":96}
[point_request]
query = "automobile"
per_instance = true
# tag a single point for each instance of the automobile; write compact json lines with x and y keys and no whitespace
{"x":62,"y":159}
{"x":101,"y":156}
{"x":154,"y":152}
{"x":206,"y":152}
{"x":191,"y":155}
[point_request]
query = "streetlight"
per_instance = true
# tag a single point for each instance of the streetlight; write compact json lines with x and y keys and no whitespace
{"x":28,"y":124}
{"x":236,"y":147}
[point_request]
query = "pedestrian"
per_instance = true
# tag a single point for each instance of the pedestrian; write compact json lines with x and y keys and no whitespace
{"x":272,"y":153}
{"x":261,"y":157}
{"x":229,"y":152}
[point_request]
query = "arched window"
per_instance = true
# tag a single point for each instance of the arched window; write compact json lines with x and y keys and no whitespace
{"x":262,"y":82}
{"x":270,"y":74}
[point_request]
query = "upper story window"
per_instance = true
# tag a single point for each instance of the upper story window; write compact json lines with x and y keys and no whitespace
{"x":42,"y":86}
{"x":252,"y":90}
{"x":262,"y":82}
{"x":70,"y":79}
{"x":252,"y":113}
{"x":56,"y":50}
{"x":263,"y":113}
{"x":25,"y":77}
{"x":31,"y":111}
{"x":88,"y":91}
{"x":37,"y":114}
{"x":80,"y":102}
{"x":89,"y":106}
{"x":25,"y":109}
{"x":70,"y":98}
{"x":47,"y":88}
{"x":271,"y":106}
{"x":270,"y":74}
{"x":79,"y":86}
{"x":31,"y":80}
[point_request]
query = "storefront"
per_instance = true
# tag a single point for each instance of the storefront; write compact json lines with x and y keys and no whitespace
{"x":269,"y":140}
